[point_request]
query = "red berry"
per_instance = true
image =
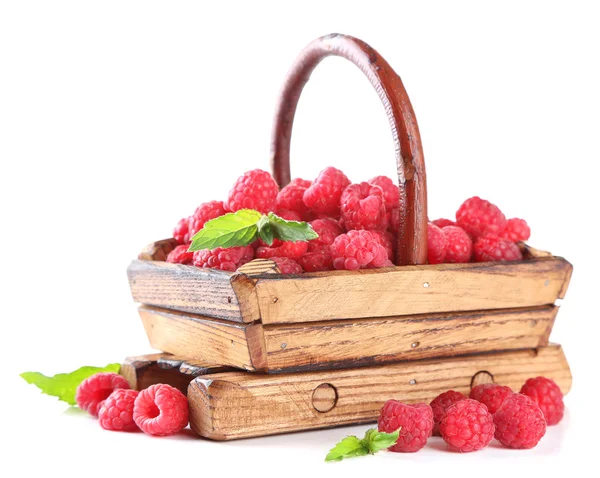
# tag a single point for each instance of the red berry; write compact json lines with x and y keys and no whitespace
{"x":327,"y":229}
{"x":436,"y":244}
{"x":443,"y":223}
{"x":478,"y":216}
{"x":226,"y":259}
{"x":519,"y":422}
{"x":92,"y":392}
{"x":290,"y":249}
{"x":467,"y":426}
{"x":516,"y":230}
{"x":358,"y":250}
{"x":415,"y":423}
{"x":391,"y":192}
{"x":204,"y":213}
{"x":387,"y":240}
{"x":181,"y":232}
{"x":459,"y":246}
{"x":316,"y":260}
{"x":362,"y":207}
{"x":440,"y":404}
{"x":323,"y":195}
{"x":394,"y":220}
{"x":161,"y":410}
{"x":256,"y":190}
{"x":491,"y":395}
{"x":287,"y":265}
{"x":180,"y":255}
{"x":116,"y":412}
{"x":546,"y":393}
{"x":288,"y":214}
{"x":489,"y":248}
{"x":290,"y":198}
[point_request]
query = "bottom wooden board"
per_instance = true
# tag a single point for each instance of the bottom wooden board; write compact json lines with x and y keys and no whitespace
{"x":226,"y":406}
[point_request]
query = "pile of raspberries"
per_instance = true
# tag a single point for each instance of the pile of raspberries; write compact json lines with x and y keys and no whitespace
{"x":517,"y":420}
{"x":356,"y":224}
{"x":159,"y":410}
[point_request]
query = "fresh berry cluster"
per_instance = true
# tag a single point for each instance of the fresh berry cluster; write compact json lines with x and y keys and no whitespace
{"x":159,"y":410}
{"x":517,"y":420}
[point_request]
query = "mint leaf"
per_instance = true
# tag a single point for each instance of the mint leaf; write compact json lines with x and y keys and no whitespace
{"x":349,"y":447}
{"x":291,"y":230}
{"x":375,"y":441}
{"x":64,"y":385}
{"x":233,"y":229}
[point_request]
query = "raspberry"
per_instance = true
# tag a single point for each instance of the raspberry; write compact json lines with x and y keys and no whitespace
{"x":358,"y":250}
{"x":478,"y":216}
{"x":226,"y":259}
{"x":440,"y":404}
{"x":323,"y":195}
{"x":441,"y":223}
{"x":160,"y":410}
{"x":287,"y":265}
{"x":116,"y":412}
{"x":391,"y":193}
{"x":436,"y":244}
{"x":546,"y":393}
{"x":290,"y":197}
{"x":491,"y":395}
{"x":288,"y":214}
{"x":290,"y":249}
{"x":519,"y":422}
{"x":255,"y":189}
{"x":92,"y":392}
{"x":492,"y":248}
{"x":327,"y":229}
{"x":387,"y":240}
{"x":467,"y":426}
{"x":180,"y":255}
{"x":516,"y":230}
{"x":416,"y":422}
{"x":204,"y":213}
{"x":459,"y":246}
{"x":180,"y":233}
{"x":362,"y":207}
{"x":316,"y":260}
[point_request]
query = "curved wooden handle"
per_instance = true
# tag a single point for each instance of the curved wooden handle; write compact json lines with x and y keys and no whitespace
{"x":412,"y":233}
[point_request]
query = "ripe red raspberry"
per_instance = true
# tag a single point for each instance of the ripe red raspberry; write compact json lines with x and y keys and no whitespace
{"x":255,"y":189}
{"x":391,"y":192}
{"x":478,"y":216}
{"x":440,"y":404}
{"x":519,"y":422}
{"x":546,"y":393}
{"x":327,"y":229}
{"x":288,"y":215}
{"x":161,"y":410}
{"x":180,"y":255}
{"x":492,"y":248}
{"x":436,"y":244}
{"x":92,"y":392}
{"x":362,"y":207}
{"x":491,"y":395}
{"x":459,"y":246}
{"x":290,"y":249}
{"x":358,"y":250}
{"x":323,"y":195}
{"x":290,"y":197}
{"x":316,"y":260}
{"x":516,"y":230}
{"x":467,"y":426}
{"x":287,"y":265}
{"x":441,"y":223}
{"x":387,"y":240}
{"x":416,"y":422}
{"x":181,"y":232}
{"x":116,"y":412}
{"x":226,"y":259}
{"x":204,"y":213}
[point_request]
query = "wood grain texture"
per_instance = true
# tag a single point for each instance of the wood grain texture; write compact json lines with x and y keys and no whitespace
{"x":409,"y":290}
{"x":235,"y":405}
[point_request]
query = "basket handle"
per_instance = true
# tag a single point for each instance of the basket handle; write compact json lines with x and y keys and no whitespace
{"x":412,"y":233}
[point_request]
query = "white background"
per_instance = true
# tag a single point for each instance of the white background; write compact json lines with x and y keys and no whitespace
{"x":117,"y":118}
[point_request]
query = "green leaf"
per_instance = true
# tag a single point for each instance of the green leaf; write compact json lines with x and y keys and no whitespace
{"x":64,"y":385}
{"x":291,"y":230}
{"x":234,"y":229}
{"x":349,"y":447}
{"x":375,"y":440}
{"x":265,"y":231}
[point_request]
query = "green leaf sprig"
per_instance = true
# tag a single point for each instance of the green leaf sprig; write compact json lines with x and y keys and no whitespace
{"x":245,"y":226}
{"x":352,"y":446}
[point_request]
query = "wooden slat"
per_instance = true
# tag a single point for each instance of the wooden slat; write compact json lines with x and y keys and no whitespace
{"x":411,"y":290}
{"x":157,"y":251}
{"x":237,"y":405}
{"x":347,"y":343}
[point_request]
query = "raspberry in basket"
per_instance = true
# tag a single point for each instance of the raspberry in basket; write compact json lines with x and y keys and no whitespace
{"x":547,"y":394}
{"x":327,"y":229}
{"x":436,"y":244}
{"x":323,"y":195}
{"x":288,"y":214}
{"x":255,"y":189}
{"x":391,"y":193}
{"x":290,"y":198}
{"x":204,"y":213}
{"x":519,"y":422}
{"x":441,"y":223}
{"x":490,"y":247}
{"x":226,"y":259}
{"x":290,"y":249}
{"x":387,"y":240}
{"x":181,"y":231}
{"x":287,"y":265}
{"x":415,"y":423}
{"x":440,"y":404}
{"x":467,"y":426}
{"x":491,"y":395}
{"x":358,"y":250}
{"x":317,"y":260}
{"x":362,"y":206}
{"x":180,"y":255}
{"x":478,"y":216}
{"x":92,"y":392}
{"x":516,"y":230}
{"x":116,"y":412}
{"x":161,"y":410}
{"x":459,"y":246}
